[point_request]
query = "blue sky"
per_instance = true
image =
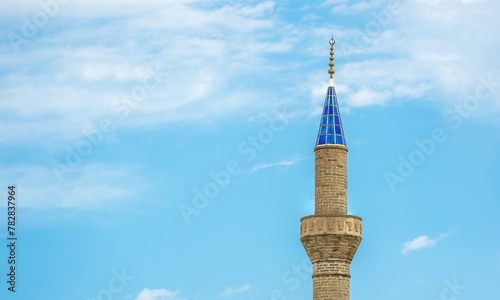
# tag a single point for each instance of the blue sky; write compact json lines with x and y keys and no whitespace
{"x":164,"y":150}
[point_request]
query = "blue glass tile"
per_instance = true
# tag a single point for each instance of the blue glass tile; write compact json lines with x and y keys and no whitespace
{"x":325,"y":120}
{"x":325,"y":111}
{"x":330,"y":110}
{"x":321,"y":139}
{"x":330,"y":119}
{"x":337,"y":129}
{"x":337,"y":120}
{"x":335,"y":110}
{"x":330,"y":139}
{"x":330,"y":129}
{"x":338,"y":140}
{"x":323,"y":129}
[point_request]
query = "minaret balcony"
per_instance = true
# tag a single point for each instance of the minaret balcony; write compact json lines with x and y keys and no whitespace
{"x":331,"y":237}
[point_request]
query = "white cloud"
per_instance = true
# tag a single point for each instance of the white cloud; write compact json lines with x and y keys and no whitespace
{"x":420,"y":243}
{"x":429,"y":50}
{"x":230,"y":291}
{"x":73,"y":75}
{"x":158,"y":294}
{"x":285,"y":162}
{"x":355,"y":7}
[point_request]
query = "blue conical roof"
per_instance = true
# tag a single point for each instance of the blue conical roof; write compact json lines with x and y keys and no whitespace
{"x":330,"y":127}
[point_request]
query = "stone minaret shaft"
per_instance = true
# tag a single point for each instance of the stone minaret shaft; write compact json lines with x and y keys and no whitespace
{"x":330,"y":236}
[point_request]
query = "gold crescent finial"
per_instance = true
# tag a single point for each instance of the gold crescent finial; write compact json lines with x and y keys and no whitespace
{"x":332,"y":41}
{"x":331,"y":71}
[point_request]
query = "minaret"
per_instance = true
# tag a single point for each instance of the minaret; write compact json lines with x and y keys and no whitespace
{"x":331,"y":236}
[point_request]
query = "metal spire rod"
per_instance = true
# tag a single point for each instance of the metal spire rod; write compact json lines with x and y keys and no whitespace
{"x":331,"y":71}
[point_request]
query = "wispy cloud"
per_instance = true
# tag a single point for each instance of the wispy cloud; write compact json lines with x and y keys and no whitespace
{"x":230,"y":291}
{"x":158,"y":294}
{"x":340,"y":6}
{"x":285,"y":162}
{"x":86,"y":187}
{"x":388,"y":58}
{"x":201,"y":49}
{"x":421,"y":242}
